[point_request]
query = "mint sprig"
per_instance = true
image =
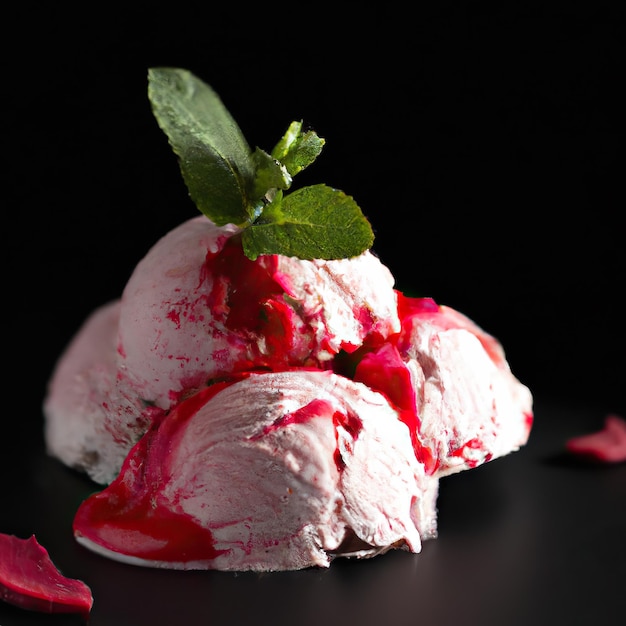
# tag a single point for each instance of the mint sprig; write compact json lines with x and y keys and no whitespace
{"x":232,"y":184}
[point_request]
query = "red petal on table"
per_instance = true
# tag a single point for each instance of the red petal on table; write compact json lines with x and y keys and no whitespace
{"x":30,"y":580}
{"x":607,"y":445}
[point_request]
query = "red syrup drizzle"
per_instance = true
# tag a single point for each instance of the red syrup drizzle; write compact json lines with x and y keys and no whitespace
{"x":384,"y":370}
{"x":315,"y":408}
{"x":240,"y":288}
{"x":472,"y":444}
{"x":351,"y":423}
{"x":248,"y":297}
{"x":130,"y":517}
{"x":411,"y":309}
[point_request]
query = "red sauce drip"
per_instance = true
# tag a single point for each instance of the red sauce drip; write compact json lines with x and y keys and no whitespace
{"x":241,"y":288}
{"x":408,"y":306}
{"x":174,"y":316}
{"x":315,"y":408}
{"x":353,"y":425}
{"x":131,"y":517}
{"x":427,"y":458}
{"x":471,"y":444}
{"x":279,"y":326}
{"x":248,"y":297}
{"x":350,"y":422}
{"x":383,"y":370}
{"x":412,"y":311}
{"x":136,"y":528}
{"x":530,"y":418}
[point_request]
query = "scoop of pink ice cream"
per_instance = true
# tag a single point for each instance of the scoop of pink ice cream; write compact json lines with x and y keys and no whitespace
{"x":471,"y":407}
{"x":272,"y":414}
{"x":453,"y":385}
{"x":92,"y":421}
{"x":276,"y":471}
{"x":287,"y":470}
{"x":194,"y":310}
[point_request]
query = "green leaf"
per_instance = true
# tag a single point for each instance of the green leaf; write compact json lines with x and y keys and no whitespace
{"x":270,"y":174}
{"x":316,"y":222}
{"x":214,"y":157}
{"x":229,"y":183}
{"x":297,"y":150}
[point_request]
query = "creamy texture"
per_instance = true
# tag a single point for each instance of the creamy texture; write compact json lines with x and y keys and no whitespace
{"x":275,"y":414}
{"x":195,"y":309}
{"x":466,"y":394}
{"x":92,"y":419}
{"x":277,"y":471}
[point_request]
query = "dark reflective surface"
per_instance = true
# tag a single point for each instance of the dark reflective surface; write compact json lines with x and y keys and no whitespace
{"x":496,"y":129}
{"x":535,"y":537}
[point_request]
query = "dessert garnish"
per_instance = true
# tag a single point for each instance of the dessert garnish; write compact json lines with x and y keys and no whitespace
{"x":606,"y":445}
{"x":30,"y":580}
{"x":232,"y":184}
{"x":261,"y":397}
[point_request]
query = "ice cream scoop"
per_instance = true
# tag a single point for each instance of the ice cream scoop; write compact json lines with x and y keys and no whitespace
{"x":275,"y":471}
{"x":262,"y":397}
{"x":194,"y":310}
{"x":284,"y":470}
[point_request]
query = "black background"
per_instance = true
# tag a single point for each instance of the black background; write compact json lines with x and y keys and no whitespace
{"x":485,"y":145}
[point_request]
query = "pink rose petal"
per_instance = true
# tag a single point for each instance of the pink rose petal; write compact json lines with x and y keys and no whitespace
{"x":607,"y":445}
{"x":30,"y":580}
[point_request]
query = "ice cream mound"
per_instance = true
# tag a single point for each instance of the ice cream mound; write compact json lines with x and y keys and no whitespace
{"x":270,"y":412}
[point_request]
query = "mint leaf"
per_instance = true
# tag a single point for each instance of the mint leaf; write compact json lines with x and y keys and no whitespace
{"x":297,"y":150}
{"x":315,"y":222}
{"x":232,"y":184}
{"x":214,"y":157}
{"x":270,"y":174}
